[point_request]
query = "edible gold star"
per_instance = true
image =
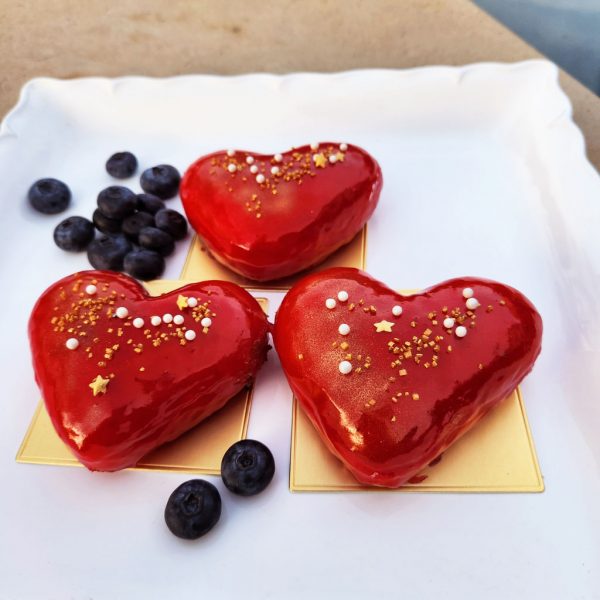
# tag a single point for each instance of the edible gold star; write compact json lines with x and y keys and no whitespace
{"x":340,"y":157}
{"x":99,"y":385}
{"x":383,"y":326}
{"x":320,"y":160}
{"x":181,"y":302}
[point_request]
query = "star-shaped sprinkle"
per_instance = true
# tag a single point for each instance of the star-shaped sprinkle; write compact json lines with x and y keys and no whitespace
{"x":320,"y":160}
{"x":182,"y":302}
{"x":383,"y":326}
{"x":99,"y":385}
{"x":340,"y":156}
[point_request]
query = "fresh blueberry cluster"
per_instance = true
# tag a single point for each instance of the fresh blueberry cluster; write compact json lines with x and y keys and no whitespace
{"x":138,"y":230}
{"x":194,"y":508}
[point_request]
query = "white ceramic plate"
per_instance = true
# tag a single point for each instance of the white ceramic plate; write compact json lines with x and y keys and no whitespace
{"x":485,"y":174}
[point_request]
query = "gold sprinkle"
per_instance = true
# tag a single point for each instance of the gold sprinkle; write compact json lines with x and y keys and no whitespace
{"x":415,"y":396}
{"x":383,"y":326}
{"x":344,"y":345}
{"x":300,"y":356}
{"x":402,"y":372}
{"x":98,"y":385}
{"x":182,"y":302}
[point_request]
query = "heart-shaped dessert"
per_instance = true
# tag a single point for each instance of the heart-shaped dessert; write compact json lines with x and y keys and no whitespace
{"x":390,"y":381}
{"x":122,"y":372}
{"x":267,"y":216}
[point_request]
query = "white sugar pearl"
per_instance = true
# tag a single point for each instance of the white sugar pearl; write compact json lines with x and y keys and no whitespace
{"x":231,"y":168}
{"x":343,"y":147}
{"x":122,"y":312}
{"x":344,"y":329}
{"x":206,"y":322}
{"x":468,"y":293}
{"x":91,"y":289}
{"x":275,"y":170}
{"x":178,"y":319}
{"x":332,"y":158}
{"x":396,"y":310}
{"x":192,"y":302}
{"x":278,"y":158}
{"x":190,"y":335}
{"x":230,"y":152}
{"x":249,"y":159}
{"x":138,"y":322}
{"x":167,"y":318}
{"x":254,"y":169}
{"x":448,"y":322}
{"x":72,"y":343}
{"x":472,"y":303}
{"x":330,"y":303}
{"x":314,"y":146}
{"x":345,"y":367}
{"x":260,"y":178}
{"x":460,"y":331}
{"x":155,"y":320}
{"x":343,"y":296}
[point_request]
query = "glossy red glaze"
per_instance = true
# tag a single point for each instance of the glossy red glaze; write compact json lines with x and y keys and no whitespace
{"x":313,"y":212}
{"x":384,"y":425}
{"x":156,"y":394}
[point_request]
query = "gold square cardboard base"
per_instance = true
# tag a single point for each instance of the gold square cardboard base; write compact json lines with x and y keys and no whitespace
{"x":497,"y":455}
{"x":200,"y":450}
{"x":200,"y":266}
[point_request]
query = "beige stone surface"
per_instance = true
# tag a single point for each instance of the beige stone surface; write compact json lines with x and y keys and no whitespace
{"x":74,"y":38}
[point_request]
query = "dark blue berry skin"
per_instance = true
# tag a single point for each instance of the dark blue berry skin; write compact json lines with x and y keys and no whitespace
{"x":161,"y":180}
{"x":156,"y":239}
{"x":121,"y":165}
{"x":149,"y":203}
{"x":193,"y":509}
{"x":108,"y":252}
{"x":172,"y":222}
{"x":117,"y":202}
{"x":133,"y":224}
{"x":74,"y":234}
{"x":247,"y":468}
{"x":144,"y":264}
{"x":104,"y":224}
{"x":49,"y":196}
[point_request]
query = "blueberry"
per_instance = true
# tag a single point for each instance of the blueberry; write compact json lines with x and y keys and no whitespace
{"x":144,"y":264}
{"x":108,"y":251}
{"x":155,"y":239}
{"x":149,"y":203}
{"x":49,"y":196}
{"x":162,"y":181}
{"x":74,"y":234}
{"x":121,"y":165}
{"x":172,"y":222}
{"x":193,"y":509}
{"x":104,"y":224}
{"x":247,"y":468}
{"x":116,"y":202}
{"x":132,"y":224}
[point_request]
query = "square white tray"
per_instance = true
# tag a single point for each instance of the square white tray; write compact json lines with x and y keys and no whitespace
{"x":485,"y":174}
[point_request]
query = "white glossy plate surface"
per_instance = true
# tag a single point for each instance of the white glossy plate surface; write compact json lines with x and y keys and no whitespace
{"x":485,"y":174}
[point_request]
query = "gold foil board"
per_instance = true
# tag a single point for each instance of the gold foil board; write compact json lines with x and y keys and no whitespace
{"x":200,"y":450}
{"x":497,"y":455}
{"x":200,"y":266}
